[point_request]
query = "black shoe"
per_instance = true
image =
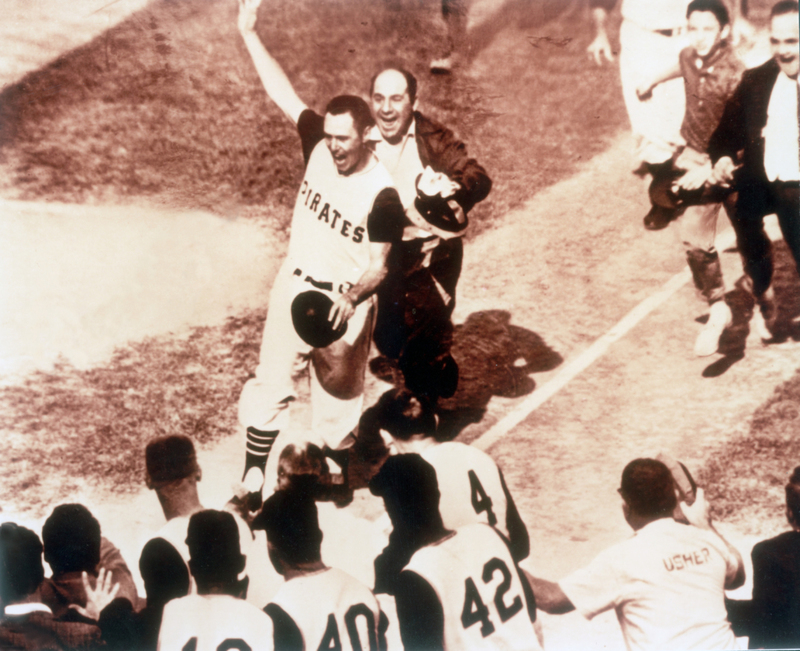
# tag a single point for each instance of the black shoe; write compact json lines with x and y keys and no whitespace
{"x":658,"y":218}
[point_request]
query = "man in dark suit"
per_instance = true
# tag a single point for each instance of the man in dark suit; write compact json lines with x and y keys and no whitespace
{"x":772,"y":618}
{"x":760,"y":121}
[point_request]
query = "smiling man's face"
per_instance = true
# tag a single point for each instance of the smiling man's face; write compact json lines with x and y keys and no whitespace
{"x":391,"y":105}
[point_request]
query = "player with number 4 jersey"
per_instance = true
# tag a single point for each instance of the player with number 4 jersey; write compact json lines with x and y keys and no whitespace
{"x":471,"y":485}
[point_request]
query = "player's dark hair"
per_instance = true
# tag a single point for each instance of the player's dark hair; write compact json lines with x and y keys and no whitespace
{"x":170,"y":458}
{"x":648,"y":488}
{"x":716,"y":7}
{"x":21,"y":569}
{"x":71,"y":537}
{"x":409,"y":488}
{"x":163,"y":571}
{"x":411,"y":80}
{"x":303,"y":466}
{"x":291,"y":521}
{"x":793,"y":494}
{"x":356,"y":107}
{"x":403,"y":414}
{"x":214,"y":552}
{"x":784,"y":7}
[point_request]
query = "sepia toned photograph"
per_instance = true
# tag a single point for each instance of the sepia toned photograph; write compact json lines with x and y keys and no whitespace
{"x":399,"y":324}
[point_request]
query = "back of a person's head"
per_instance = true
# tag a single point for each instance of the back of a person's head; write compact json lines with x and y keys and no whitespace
{"x":214,"y":551}
{"x":291,"y":521}
{"x":301,"y":467}
{"x":170,"y":459}
{"x":163,"y":571}
{"x":409,"y":488}
{"x":71,"y":537}
{"x":716,"y":7}
{"x":21,"y":569}
{"x":793,"y":495}
{"x":784,"y":7}
{"x":648,"y":488}
{"x":403,"y":414}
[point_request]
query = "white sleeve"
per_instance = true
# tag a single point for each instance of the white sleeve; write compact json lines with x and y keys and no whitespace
{"x":596,"y":587}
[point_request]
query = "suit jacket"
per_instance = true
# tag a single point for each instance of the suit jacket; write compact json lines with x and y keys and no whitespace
{"x":772,"y":618}
{"x":738,"y":135}
{"x":440,"y":149}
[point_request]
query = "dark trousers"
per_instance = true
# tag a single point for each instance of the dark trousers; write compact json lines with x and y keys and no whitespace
{"x":755,"y":202}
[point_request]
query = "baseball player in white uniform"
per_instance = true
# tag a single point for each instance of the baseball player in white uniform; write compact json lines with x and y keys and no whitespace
{"x":471,"y":486}
{"x":459,"y":589}
{"x":323,"y":606}
{"x":216,"y":618}
{"x":346,"y":216}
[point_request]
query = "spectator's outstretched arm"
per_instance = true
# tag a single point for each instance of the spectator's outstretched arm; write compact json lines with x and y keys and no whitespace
{"x":699,"y":514}
{"x":549,"y":596}
{"x":274,"y":79}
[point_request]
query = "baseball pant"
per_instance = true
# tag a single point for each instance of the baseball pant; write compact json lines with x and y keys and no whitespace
{"x":336,"y":374}
{"x":755,"y":202}
{"x":697,"y":228}
{"x":655,"y":122}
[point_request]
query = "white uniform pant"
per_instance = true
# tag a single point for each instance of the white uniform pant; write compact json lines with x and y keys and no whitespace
{"x":656,"y":122}
{"x":336,"y":373}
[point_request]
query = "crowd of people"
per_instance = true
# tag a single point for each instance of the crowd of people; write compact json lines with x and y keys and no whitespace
{"x":374,"y":258}
{"x":448,"y":578}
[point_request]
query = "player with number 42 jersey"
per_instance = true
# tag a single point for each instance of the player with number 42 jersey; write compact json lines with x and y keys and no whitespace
{"x":472,"y":584}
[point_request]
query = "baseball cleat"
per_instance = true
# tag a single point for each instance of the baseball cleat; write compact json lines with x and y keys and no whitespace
{"x":719,"y":318}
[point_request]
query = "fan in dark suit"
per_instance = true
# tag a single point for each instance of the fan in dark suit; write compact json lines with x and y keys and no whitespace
{"x":772,"y":618}
{"x":760,"y":120}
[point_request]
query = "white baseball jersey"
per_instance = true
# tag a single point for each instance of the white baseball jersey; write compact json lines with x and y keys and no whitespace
{"x":332,"y":610}
{"x":666,"y":584}
{"x":479,"y":589}
{"x":470,"y":486}
{"x":214,"y":623}
{"x":329,"y":239}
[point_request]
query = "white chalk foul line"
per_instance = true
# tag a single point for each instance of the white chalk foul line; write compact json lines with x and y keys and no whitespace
{"x":590,"y":355}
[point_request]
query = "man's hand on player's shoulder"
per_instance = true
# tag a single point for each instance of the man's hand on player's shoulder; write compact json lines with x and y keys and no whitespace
{"x":341,"y":311}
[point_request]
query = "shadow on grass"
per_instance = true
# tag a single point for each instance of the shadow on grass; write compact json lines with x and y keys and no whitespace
{"x":733,"y":342}
{"x":494,"y":358}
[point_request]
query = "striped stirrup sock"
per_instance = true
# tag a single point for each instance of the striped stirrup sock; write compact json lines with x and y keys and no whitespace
{"x":259,"y":444}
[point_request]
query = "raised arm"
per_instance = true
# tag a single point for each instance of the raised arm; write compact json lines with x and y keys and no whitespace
{"x":699,"y":515}
{"x":274,"y":79}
